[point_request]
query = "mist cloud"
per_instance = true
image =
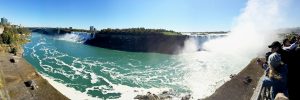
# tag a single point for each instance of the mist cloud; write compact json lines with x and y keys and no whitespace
{"x":253,"y":30}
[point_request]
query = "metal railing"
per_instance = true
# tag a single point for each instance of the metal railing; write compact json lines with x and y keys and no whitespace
{"x":261,"y":92}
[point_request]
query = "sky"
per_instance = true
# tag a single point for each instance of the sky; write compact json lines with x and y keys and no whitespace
{"x":177,"y":15}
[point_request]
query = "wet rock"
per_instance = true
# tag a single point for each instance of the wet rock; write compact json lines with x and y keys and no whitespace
{"x":187,"y":97}
{"x":165,"y":92}
{"x":165,"y":97}
{"x":232,"y":75}
{"x":148,"y":96}
{"x":153,"y":97}
{"x":141,"y":97}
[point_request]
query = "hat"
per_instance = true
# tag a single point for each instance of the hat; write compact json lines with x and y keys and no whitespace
{"x":275,"y":44}
{"x":274,"y":60}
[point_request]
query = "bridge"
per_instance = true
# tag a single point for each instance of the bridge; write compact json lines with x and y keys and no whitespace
{"x":58,"y":31}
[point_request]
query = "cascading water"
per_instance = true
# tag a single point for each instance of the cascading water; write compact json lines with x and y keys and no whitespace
{"x":254,"y":29}
{"x":79,"y":37}
{"x":195,"y":42}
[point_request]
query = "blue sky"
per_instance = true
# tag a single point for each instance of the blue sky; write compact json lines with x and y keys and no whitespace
{"x":178,"y":15}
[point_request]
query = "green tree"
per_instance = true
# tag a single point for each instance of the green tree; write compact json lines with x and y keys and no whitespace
{"x":7,"y":38}
{"x":1,"y":40}
{"x":23,"y":31}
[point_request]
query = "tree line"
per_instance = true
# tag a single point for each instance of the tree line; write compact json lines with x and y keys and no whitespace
{"x":11,"y":34}
{"x":13,"y":37}
{"x":138,"y":31}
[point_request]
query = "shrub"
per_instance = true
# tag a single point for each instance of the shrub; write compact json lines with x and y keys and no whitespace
{"x":14,"y":51}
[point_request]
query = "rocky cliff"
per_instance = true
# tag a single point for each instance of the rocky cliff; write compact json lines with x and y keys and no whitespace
{"x":159,"y":43}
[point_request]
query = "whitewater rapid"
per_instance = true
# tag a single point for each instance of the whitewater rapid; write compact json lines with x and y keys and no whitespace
{"x":78,"y":37}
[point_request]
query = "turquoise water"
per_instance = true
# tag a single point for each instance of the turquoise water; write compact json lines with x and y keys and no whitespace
{"x":97,"y":72}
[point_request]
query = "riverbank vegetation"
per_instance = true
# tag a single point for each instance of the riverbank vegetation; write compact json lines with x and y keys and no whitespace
{"x":12,"y":38}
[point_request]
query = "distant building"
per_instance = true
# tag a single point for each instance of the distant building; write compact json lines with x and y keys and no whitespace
{"x":92,"y":28}
{"x":4,"y":21}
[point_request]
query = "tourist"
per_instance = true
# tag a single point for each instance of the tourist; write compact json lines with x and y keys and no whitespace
{"x":293,"y":84}
{"x":276,"y":47}
{"x":286,"y":42}
{"x":288,"y":46}
{"x":288,"y":56}
{"x":277,"y":76}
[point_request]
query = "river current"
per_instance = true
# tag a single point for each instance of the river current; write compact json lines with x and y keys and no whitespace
{"x":99,"y":73}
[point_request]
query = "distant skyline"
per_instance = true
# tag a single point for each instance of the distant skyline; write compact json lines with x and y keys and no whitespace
{"x":177,"y":15}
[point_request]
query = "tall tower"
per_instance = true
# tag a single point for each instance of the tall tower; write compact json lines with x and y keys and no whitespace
{"x":93,"y":31}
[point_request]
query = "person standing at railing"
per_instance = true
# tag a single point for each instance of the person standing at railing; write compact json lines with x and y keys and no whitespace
{"x":277,"y":75}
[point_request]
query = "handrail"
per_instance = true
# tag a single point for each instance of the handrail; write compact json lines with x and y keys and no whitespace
{"x":257,"y":92}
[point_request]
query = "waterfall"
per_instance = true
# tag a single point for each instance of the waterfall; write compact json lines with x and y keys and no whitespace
{"x":78,"y":37}
{"x":195,"y":42}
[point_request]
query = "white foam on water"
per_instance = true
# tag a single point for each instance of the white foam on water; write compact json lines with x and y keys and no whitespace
{"x":131,"y":92}
{"x":69,"y":92}
{"x":208,"y":70}
{"x":126,"y":91}
{"x":94,"y":78}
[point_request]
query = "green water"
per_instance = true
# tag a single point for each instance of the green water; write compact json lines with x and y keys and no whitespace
{"x":97,"y":71}
{"x":74,"y":63}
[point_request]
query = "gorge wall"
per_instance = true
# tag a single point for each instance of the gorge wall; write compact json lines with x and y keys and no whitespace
{"x":159,"y":43}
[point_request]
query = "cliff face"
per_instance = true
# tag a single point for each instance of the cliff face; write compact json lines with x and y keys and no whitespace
{"x":168,"y":44}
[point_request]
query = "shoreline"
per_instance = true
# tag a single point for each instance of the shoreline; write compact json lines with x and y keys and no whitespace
{"x":15,"y":74}
{"x":70,"y":93}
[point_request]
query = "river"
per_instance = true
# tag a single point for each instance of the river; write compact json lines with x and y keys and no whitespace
{"x":93,"y":73}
